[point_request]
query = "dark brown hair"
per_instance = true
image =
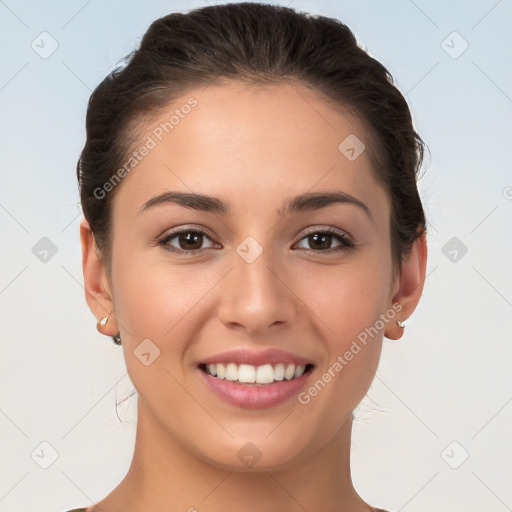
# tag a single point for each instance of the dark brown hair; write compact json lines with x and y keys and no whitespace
{"x":256,"y":44}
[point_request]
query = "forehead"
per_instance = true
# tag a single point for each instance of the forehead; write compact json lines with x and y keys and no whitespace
{"x":250,"y":143}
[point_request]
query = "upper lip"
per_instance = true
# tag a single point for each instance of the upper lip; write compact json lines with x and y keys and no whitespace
{"x":257,"y":358}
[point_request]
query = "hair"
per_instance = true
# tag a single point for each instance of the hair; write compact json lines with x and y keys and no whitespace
{"x":256,"y":44}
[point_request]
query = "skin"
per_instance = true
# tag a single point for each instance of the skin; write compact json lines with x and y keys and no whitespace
{"x":254,"y":148}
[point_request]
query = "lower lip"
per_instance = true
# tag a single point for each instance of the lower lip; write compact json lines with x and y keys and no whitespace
{"x":251,"y":396}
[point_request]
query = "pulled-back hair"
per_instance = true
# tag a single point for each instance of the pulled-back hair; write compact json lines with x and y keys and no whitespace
{"x":255,"y":44}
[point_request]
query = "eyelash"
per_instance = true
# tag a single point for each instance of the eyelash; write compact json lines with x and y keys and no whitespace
{"x":346,"y":243}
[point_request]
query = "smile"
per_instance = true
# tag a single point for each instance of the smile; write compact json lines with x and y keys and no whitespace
{"x":265,"y":374}
{"x":254,"y":387}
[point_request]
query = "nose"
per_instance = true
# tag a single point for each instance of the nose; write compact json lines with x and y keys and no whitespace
{"x":257,"y":295}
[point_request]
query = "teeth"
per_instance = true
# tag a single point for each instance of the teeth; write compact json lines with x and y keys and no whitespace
{"x":231,"y":371}
{"x":289,"y":373}
{"x":246,"y":373}
{"x":299,"y":370}
{"x":221,"y":371}
{"x":279,"y":371}
{"x":265,"y":374}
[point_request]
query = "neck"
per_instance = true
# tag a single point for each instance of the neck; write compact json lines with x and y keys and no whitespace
{"x":165,"y":476}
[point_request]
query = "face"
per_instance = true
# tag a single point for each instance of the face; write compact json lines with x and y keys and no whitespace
{"x":306,"y":278}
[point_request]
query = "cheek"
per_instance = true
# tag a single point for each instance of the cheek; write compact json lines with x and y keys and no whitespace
{"x":157,"y":307}
{"x":346,"y":304}
{"x":347,"y":298}
{"x":157,"y":300}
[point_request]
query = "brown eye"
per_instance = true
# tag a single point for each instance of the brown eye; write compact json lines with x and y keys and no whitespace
{"x":189,"y":241}
{"x":321,"y":241}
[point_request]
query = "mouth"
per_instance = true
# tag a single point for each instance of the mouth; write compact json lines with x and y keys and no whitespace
{"x":263,"y":375}
{"x":251,"y":379}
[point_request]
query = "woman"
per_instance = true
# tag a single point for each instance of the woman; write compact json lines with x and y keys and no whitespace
{"x":252,"y":231}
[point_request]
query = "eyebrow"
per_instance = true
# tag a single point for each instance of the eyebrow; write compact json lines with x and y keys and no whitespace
{"x":302,"y":203}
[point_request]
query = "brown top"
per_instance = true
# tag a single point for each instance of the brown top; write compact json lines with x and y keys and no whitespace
{"x":85,"y":510}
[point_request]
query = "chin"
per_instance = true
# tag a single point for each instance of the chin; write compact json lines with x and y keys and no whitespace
{"x":258,"y":453}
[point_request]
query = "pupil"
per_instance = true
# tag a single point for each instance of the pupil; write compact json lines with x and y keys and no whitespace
{"x":189,"y":238}
{"x":324,"y":237}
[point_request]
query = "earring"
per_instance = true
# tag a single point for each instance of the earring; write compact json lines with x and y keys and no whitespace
{"x":401,"y":324}
{"x":104,"y":321}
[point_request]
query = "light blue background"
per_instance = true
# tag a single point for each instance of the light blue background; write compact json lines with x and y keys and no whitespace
{"x":448,"y":379}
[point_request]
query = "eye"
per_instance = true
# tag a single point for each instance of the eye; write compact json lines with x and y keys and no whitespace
{"x":189,"y":241}
{"x":322,"y":239}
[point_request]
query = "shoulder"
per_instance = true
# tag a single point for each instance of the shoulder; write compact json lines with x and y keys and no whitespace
{"x":77,"y":510}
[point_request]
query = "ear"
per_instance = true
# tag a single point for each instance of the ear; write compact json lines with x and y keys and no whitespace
{"x":409,"y":286}
{"x":97,"y":289}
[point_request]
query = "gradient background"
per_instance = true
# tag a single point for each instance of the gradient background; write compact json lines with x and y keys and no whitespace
{"x":442,"y":393}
